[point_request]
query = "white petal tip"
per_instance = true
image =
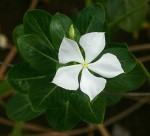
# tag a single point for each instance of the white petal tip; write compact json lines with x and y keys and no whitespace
{"x":92,"y":98}
{"x":91,"y":85}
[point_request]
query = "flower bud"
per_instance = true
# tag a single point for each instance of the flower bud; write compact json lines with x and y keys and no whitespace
{"x":71,"y":32}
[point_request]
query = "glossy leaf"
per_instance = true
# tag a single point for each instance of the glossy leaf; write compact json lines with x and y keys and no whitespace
{"x":19,"y":108}
{"x":18,"y":32}
{"x":43,"y":95}
{"x":127,"y":82}
{"x":112,"y":99}
{"x":34,"y":50}
{"x":38,"y":22}
{"x":91,"y":112}
{"x":60,"y":27}
{"x":21,"y":77}
{"x":127,"y":60}
{"x":91,"y":19}
{"x":123,"y":83}
{"x":128,"y":14}
{"x":63,"y":116}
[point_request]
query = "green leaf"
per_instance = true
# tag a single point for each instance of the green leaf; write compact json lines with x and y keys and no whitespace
{"x":38,"y":22}
{"x":127,"y":60}
{"x":128,"y":14}
{"x":18,"y":32}
{"x":145,"y":71}
{"x":21,"y":77}
{"x":35,"y":51}
{"x":43,"y":94}
{"x":112,"y":99}
{"x":19,"y":108}
{"x":91,"y":112}
{"x":123,"y":83}
{"x":91,"y":19}
{"x":60,"y":27}
{"x":5,"y":87}
{"x":127,"y":82}
{"x":62,"y":117}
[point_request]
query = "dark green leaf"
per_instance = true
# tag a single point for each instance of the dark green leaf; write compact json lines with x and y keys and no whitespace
{"x":112,"y":99}
{"x":127,"y":82}
{"x":128,"y":14}
{"x":62,"y":117}
{"x":43,"y":95}
{"x":127,"y":60}
{"x":34,"y":50}
{"x":38,"y":22}
{"x":91,"y":112}
{"x":19,"y":108}
{"x":122,"y":83}
{"x":60,"y":27}
{"x":18,"y":32}
{"x":91,"y":19}
{"x":21,"y":77}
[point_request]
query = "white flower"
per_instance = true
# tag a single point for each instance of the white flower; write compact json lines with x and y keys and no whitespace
{"x":107,"y":66}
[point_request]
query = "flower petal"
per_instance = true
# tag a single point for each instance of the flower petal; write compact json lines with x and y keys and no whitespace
{"x":93,"y":44}
{"x":90,"y":84}
{"x":69,"y":51}
{"x":107,"y":66}
{"x":67,"y":77}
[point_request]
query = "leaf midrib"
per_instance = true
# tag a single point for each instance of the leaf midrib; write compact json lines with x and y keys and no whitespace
{"x":41,"y":53}
{"x":31,"y":78}
{"x":43,"y":32}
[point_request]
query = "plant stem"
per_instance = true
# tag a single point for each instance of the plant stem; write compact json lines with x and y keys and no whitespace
{"x":139,"y":47}
{"x":126,"y":112}
{"x":17,"y":130}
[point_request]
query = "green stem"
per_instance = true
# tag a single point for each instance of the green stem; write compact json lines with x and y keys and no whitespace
{"x":17,"y":130}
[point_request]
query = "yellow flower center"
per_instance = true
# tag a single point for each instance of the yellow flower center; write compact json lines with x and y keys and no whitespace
{"x":85,"y":65}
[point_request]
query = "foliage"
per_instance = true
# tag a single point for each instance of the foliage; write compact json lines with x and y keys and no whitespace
{"x":38,"y":41}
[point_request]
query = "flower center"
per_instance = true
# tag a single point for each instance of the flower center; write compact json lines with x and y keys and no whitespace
{"x":84,"y":65}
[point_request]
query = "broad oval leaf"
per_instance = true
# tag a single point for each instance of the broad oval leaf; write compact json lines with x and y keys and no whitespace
{"x":123,"y":83}
{"x":35,"y":50}
{"x":43,"y":95}
{"x":91,"y":19}
{"x":21,"y":77}
{"x":91,"y":112}
{"x":60,"y":27}
{"x":38,"y":22}
{"x":128,"y":14}
{"x":112,"y":99}
{"x":126,"y":58}
{"x":62,"y":117}
{"x":18,"y":32}
{"x":127,"y":81}
{"x":19,"y":108}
